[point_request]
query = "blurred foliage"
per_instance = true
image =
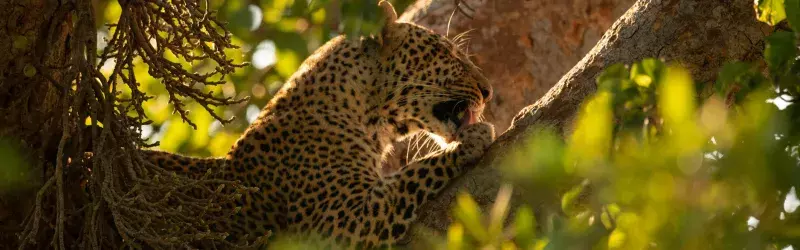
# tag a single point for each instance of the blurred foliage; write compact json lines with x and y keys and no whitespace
{"x":13,"y":169}
{"x":652,"y":164}
{"x":275,"y":36}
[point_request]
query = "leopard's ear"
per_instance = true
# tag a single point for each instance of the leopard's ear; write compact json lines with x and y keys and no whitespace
{"x":390,"y":17}
{"x":388,"y":11}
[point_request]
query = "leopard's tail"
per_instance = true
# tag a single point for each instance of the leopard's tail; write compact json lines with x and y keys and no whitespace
{"x":194,"y":167}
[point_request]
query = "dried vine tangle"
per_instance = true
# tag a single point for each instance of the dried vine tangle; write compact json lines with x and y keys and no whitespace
{"x":146,"y":204}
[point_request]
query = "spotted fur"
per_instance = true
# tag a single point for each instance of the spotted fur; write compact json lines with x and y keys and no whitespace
{"x":315,"y":150}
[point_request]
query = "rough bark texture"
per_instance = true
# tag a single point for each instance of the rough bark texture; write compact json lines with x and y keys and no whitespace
{"x":523,"y":47}
{"x":699,"y":34}
{"x":33,"y":35}
{"x":32,"y":39}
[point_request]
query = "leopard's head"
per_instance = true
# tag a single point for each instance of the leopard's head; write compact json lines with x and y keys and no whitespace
{"x":431,"y":84}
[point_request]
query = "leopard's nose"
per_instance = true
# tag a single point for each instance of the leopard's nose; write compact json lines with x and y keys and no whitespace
{"x":486,"y":92}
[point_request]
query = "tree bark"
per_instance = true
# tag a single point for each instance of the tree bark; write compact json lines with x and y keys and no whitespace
{"x":523,"y":47}
{"x":33,"y":54}
{"x":701,"y":35}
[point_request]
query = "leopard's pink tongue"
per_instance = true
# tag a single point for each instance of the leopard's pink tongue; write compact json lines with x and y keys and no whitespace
{"x":469,"y":118}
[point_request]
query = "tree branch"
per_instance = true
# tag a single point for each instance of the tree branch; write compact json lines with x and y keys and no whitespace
{"x":700,"y":35}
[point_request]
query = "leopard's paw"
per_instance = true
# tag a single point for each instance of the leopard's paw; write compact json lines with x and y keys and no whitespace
{"x":475,"y":138}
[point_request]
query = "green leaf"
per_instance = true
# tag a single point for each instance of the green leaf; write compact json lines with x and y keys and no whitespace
{"x":360,"y":17}
{"x":291,"y":52}
{"x":497,"y":216}
{"x":244,"y":20}
{"x":644,"y":72}
{"x":730,"y":74}
{"x":468,"y":213}
{"x":299,"y":8}
{"x":525,"y":225}
{"x":770,"y":11}
{"x":732,"y":71}
{"x":176,"y":135}
{"x":781,"y":51}
{"x":199,"y":137}
{"x":315,"y":5}
{"x":455,"y":236}
{"x":570,"y":201}
{"x":793,"y":13}
{"x":611,"y":77}
{"x":608,"y":216}
{"x":740,"y":77}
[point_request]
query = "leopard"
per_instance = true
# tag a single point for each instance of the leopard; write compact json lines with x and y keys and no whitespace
{"x":316,"y":149}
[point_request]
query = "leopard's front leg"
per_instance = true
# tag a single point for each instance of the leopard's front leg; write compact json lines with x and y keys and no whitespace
{"x":404,"y":192}
{"x":423,"y":179}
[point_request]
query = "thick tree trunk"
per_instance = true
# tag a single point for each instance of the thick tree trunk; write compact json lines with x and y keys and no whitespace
{"x":523,"y":47}
{"x":699,"y":34}
{"x":33,"y":37}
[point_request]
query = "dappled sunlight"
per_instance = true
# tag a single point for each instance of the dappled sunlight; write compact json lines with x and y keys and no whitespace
{"x":264,"y":56}
{"x":256,"y":15}
{"x":252,"y":113}
{"x":791,"y":202}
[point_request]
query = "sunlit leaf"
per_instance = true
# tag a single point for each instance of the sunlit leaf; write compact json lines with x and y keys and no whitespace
{"x":646,"y":71}
{"x":661,"y":187}
{"x":314,"y":5}
{"x":525,"y":227}
{"x":221,"y":143}
{"x":318,"y":16}
{"x":455,"y":236}
{"x":288,"y":62}
{"x":570,"y":200}
{"x":676,"y":100}
{"x":634,"y":229}
{"x":499,"y":212}
{"x":591,"y":141}
{"x":291,"y":51}
{"x":609,"y":215}
{"x":610,"y":78}
{"x":770,"y":11}
{"x":274,"y":10}
{"x":176,"y":134}
{"x":112,"y":12}
{"x":643,"y":80}
{"x":540,"y":244}
{"x":616,"y":239}
{"x":200,"y":136}
{"x":468,"y":213}
{"x":157,"y":109}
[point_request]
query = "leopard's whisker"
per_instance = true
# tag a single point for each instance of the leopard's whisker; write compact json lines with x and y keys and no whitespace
{"x":409,"y":142}
{"x":427,"y":140}
{"x":416,"y":150}
{"x":457,"y":37}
